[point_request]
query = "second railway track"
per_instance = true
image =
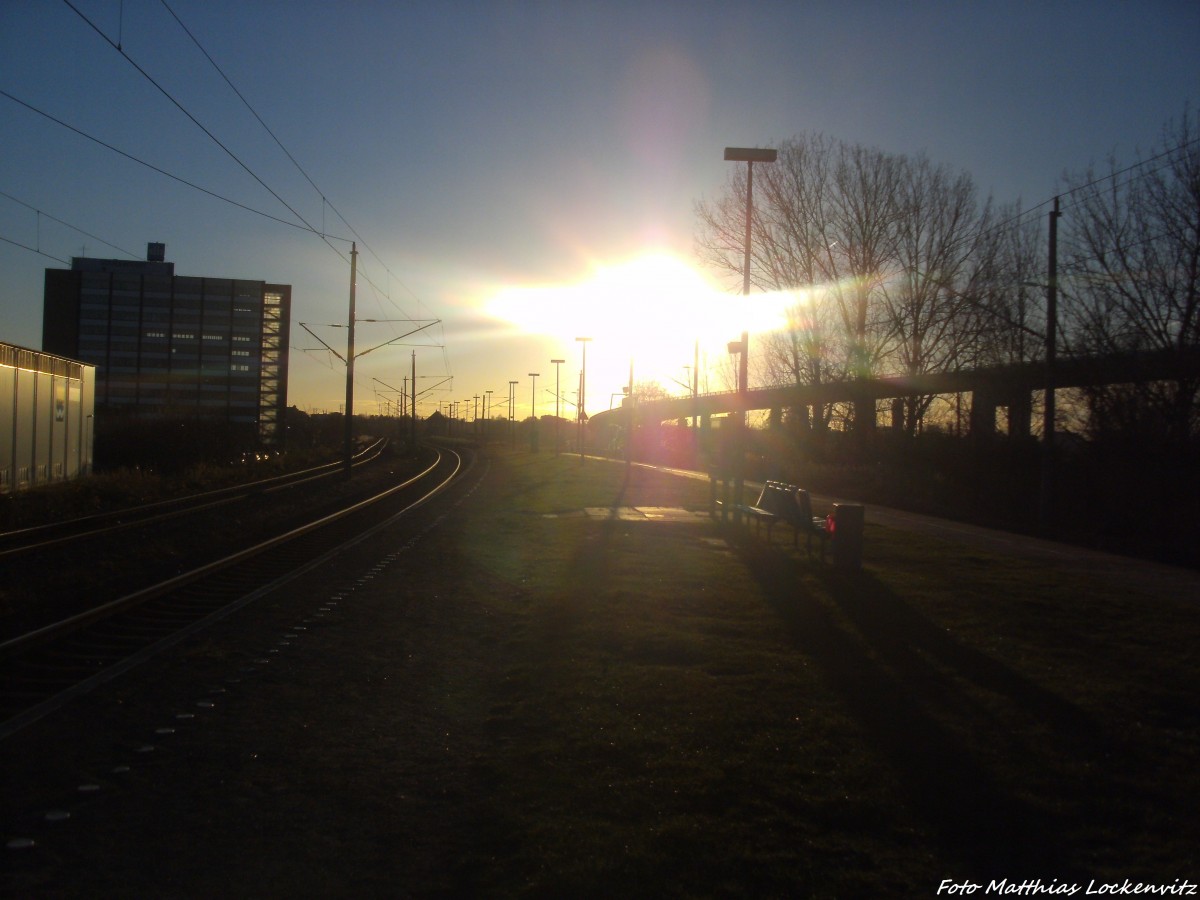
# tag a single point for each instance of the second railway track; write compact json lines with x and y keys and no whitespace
{"x":46,"y":665}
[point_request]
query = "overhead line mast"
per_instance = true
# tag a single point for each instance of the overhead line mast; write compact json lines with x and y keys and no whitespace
{"x":348,"y":461}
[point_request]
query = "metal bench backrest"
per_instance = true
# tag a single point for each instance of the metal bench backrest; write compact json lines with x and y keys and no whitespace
{"x":804,"y":504}
{"x":764,"y":496}
{"x":775,"y":499}
{"x":788,"y":509}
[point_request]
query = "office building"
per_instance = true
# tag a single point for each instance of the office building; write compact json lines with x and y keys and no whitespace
{"x":171,"y":345}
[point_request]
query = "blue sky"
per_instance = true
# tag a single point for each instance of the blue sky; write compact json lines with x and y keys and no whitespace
{"x":484,"y":150}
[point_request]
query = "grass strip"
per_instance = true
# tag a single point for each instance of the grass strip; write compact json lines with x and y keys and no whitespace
{"x":680,"y":710}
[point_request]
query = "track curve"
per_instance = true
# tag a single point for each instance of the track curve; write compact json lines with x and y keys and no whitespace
{"x":48,"y":666}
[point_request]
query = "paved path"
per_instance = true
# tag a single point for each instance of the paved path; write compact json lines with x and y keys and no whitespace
{"x":1068,"y":557}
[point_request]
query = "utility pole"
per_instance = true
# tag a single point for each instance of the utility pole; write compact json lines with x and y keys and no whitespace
{"x":413,"y":405}
{"x":512,"y":400}
{"x":533,"y":435}
{"x":749,"y":156}
{"x":487,"y":416}
{"x":581,"y":411}
{"x":629,"y":436}
{"x":1046,"y":504}
{"x":557,"y":421}
{"x":348,"y":449}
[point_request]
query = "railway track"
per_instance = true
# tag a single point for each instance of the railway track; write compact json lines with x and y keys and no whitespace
{"x":22,"y":541}
{"x":45,"y":667}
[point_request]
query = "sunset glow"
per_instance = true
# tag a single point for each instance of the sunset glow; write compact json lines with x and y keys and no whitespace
{"x":652,"y":309}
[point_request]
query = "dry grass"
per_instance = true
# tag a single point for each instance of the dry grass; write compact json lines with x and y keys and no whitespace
{"x":563,"y":706}
{"x":677,"y":716}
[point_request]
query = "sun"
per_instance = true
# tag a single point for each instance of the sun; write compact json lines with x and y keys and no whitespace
{"x":654,"y":311}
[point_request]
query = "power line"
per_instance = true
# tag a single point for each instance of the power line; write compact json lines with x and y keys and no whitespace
{"x":294,"y":161}
{"x":116,"y":46}
{"x":67,"y":224}
{"x":265,"y":126}
{"x":246,"y":103}
{"x":300,"y":168}
{"x":1015,"y":220}
{"x":196,"y":122}
{"x":33,"y":250}
{"x":1145,"y":162}
{"x":232,"y":155}
{"x":161,"y":171}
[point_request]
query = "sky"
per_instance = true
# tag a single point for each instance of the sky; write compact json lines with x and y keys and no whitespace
{"x":515,"y":175}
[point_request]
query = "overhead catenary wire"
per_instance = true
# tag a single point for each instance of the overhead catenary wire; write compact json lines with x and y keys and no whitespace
{"x":161,"y":171}
{"x":164,"y":172}
{"x":324,"y":199}
{"x":307,"y":226}
{"x":43,"y":214}
{"x":1027,"y":215}
{"x":1012,"y":221}
{"x":162,"y":90}
{"x":274,"y":137}
{"x":34,"y":250}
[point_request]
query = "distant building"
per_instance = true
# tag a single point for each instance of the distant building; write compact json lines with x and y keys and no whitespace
{"x":173,"y":345}
{"x":46,"y":419}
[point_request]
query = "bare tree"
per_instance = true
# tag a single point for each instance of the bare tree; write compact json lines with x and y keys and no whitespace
{"x":884,"y":251}
{"x":1011,"y":290}
{"x":649,"y":391}
{"x":822,"y":222}
{"x":859,"y":257}
{"x":1134,"y":263}
{"x":931,"y":302}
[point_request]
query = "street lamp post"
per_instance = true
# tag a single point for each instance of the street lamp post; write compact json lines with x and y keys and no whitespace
{"x":557,"y":420}
{"x":487,"y":415}
{"x":748,"y":155}
{"x":581,"y":412}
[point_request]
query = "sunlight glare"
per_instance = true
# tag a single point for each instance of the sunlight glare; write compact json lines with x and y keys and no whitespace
{"x":653,"y":308}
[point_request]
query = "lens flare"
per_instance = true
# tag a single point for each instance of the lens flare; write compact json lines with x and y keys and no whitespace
{"x":654,"y":309}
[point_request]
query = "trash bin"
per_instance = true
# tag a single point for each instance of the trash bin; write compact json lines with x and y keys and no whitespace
{"x":847,"y":535}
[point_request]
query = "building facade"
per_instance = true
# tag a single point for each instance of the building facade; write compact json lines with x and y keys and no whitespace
{"x":46,"y":418}
{"x":171,"y":345}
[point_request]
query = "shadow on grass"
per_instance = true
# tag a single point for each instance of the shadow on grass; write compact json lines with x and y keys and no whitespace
{"x":893,"y":670}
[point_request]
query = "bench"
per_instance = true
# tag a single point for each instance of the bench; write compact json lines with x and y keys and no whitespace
{"x":770,"y":507}
{"x":812,"y":526}
{"x":788,"y":503}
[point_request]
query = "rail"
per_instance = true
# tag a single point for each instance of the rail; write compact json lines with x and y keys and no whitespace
{"x":51,"y":534}
{"x":44,"y":664}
